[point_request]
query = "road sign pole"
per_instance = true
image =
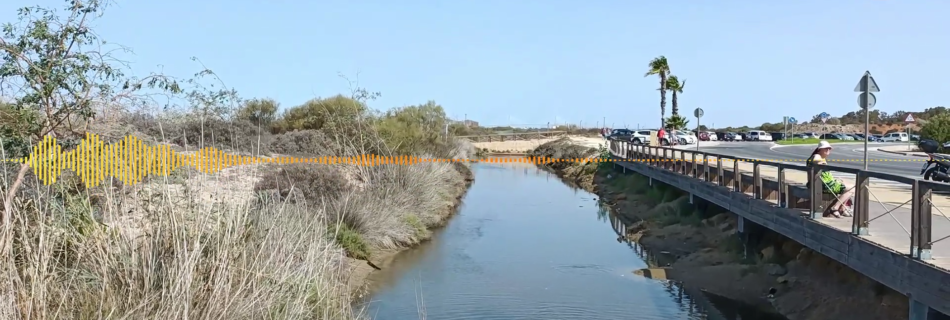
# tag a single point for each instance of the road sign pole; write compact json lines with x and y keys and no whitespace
{"x":699,"y":114}
{"x":867,"y":122}
{"x":866,"y":101}
{"x":697,"y":134}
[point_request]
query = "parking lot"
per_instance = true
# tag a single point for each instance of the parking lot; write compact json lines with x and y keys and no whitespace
{"x":641,"y":136}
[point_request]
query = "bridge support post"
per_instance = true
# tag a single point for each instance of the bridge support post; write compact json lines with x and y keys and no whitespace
{"x":742,"y":230}
{"x":862,"y":202}
{"x":920,"y":311}
{"x":815,"y":192}
{"x":691,"y":199}
{"x":751,"y":235}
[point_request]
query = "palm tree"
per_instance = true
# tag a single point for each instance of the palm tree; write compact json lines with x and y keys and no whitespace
{"x":675,"y":86}
{"x":659,"y":67}
{"x":677,"y":122}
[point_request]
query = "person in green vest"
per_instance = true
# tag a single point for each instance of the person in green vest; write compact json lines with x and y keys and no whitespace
{"x":835,"y":186}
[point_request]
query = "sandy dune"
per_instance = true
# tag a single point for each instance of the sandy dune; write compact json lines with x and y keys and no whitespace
{"x":524,"y":146}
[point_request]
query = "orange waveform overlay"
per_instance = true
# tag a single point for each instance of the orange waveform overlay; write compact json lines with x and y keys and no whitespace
{"x":130,"y":160}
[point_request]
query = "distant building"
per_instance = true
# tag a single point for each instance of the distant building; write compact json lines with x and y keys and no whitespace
{"x":467,"y":123}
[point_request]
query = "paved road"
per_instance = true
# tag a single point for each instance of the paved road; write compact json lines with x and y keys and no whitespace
{"x":886,"y":162}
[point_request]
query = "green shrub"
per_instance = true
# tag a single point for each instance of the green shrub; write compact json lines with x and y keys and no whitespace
{"x":937,"y":128}
{"x":334,"y":115}
{"x":351,"y":241}
{"x":420,"y":228}
{"x":259,"y":112}
{"x":415,"y":129}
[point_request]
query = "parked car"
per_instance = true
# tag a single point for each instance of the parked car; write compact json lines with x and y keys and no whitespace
{"x":732,"y":136}
{"x":896,"y":137}
{"x":810,"y":135}
{"x":643,"y":137}
{"x":776,"y":136}
{"x":620,"y":134}
{"x":758,"y":135}
{"x":707,"y":136}
{"x":686,"y":137}
{"x":830,"y":136}
{"x":870,"y":138}
{"x":876,"y":137}
{"x":843,"y":136}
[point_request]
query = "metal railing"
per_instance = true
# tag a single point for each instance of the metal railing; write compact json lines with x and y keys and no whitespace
{"x":709,"y":167}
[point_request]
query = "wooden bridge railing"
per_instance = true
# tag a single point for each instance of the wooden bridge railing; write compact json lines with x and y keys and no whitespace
{"x":709,"y":167}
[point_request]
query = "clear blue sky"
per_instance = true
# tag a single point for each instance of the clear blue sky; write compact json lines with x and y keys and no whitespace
{"x":533,"y":61}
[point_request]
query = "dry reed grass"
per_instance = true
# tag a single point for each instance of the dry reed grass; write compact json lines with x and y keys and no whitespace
{"x":208,"y":247}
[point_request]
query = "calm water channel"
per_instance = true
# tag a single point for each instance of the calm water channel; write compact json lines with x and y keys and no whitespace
{"x":526,"y":246}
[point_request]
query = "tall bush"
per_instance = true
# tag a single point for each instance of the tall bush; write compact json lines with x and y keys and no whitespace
{"x":415,"y":129}
{"x":937,"y":128}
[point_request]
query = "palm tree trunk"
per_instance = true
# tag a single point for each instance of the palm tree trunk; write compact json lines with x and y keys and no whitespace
{"x":676,"y":107}
{"x":662,"y":101}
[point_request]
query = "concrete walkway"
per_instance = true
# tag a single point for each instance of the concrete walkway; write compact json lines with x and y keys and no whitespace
{"x":903,"y":150}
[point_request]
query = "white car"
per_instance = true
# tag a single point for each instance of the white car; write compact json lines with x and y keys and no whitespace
{"x":895,"y":137}
{"x":712,"y":136}
{"x":686,"y":137}
{"x":643,"y":137}
{"x":759,"y":135}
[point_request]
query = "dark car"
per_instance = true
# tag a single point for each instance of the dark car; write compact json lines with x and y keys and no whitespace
{"x":871,"y":138}
{"x":731,"y":136}
{"x":833,"y":136}
{"x":776,"y":136}
{"x":620,"y":134}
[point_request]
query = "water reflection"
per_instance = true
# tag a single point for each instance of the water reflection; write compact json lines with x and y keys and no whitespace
{"x":713,"y":307}
{"x":524,"y":246}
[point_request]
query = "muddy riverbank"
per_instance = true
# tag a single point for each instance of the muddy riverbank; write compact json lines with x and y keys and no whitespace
{"x":707,"y":255}
{"x":360,"y":270}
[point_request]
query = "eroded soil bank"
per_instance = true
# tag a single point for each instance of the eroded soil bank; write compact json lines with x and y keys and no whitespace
{"x":360,"y":270}
{"x":707,"y":254}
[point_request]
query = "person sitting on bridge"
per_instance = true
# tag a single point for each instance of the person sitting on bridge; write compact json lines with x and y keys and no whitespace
{"x":831,"y":184}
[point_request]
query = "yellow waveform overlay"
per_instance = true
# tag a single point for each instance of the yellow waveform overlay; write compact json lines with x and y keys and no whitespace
{"x":131,"y":160}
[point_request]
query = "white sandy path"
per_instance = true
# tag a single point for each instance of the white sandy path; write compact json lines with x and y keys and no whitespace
{"x":524,"y":146}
